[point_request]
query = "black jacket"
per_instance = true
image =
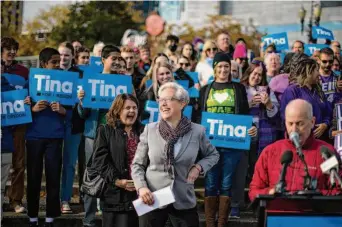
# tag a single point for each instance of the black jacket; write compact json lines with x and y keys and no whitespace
{"x":77,"y":123}
{"x":241,"y":101}
{"x":110,"y":160}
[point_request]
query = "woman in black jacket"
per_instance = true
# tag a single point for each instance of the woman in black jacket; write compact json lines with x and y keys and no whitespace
{"x":114,"y":149}
{"x":222,"y":97}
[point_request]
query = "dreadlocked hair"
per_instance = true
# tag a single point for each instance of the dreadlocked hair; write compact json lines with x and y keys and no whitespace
{"x":301,"y":73}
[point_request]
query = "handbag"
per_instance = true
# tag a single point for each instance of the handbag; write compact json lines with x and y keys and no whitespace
{"x":93,"y":184}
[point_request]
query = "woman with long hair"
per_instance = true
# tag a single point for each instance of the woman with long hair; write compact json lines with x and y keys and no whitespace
{"x":189,"y":52}
{"x":205,"y":65}
{"x":306,"y":85}
{"x":160,"y":57}
{"x":114,"y":149}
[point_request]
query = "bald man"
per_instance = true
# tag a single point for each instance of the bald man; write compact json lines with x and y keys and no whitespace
{"x":298,"y":118}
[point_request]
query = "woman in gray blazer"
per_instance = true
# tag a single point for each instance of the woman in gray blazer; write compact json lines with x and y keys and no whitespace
{"x":172,"y":152}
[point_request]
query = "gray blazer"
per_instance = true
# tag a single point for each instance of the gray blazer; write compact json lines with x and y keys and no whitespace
{"x":148,"y":164}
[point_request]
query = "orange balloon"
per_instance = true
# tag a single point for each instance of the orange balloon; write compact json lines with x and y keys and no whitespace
{"x":154,"y":25}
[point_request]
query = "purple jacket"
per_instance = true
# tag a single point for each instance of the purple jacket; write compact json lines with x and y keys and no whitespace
{"x":321,"y":108}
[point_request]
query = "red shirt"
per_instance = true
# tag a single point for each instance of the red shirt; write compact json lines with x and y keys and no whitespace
{"x":132,"y":144}
{"x":17,"y":69}
{"x":268,"y":168}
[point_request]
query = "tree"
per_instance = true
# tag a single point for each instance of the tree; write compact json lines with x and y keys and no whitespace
{"x":95,"y":21}
{"x":41,"y":25}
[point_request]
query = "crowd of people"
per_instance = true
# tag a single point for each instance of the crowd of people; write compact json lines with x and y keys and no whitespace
{"x":134,"y":160}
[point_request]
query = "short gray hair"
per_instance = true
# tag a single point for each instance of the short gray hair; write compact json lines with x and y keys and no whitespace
{"x":180,"y":92}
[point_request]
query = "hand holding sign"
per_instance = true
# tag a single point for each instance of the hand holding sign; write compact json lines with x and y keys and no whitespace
{"x":57,"y":107}
{"x":253,"y":131}
{"x":39,"y":106}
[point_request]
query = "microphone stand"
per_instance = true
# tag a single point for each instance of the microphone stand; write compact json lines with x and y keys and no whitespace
{"x":309,"y":189}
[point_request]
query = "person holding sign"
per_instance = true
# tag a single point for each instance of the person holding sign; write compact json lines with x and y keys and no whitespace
{"x":74,"y":127}
{"x":17,"y":73}
{"x":167,"y":155}
{"x":305,"y":85}
{"x":82,"y":56}
{"x":115,"y":145}
{"x":222,"y":97}
{"x":44,"y":143}
{"x":111,"y":59}
{"x":7,"y":142}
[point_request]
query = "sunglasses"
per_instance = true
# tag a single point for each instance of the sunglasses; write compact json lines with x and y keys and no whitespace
{"x":243,"y":59}
{"x":211,"y":49}
{"x":186,"y":64}
{"x":326,"y":61}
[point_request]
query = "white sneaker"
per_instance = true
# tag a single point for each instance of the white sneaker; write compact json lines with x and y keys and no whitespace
{"x":66,"y":208}
{"x":19,"y":209}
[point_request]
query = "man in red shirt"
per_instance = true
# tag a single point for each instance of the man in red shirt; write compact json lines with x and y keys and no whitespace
{"x":9,"y":49}
{"x":298,"y":118}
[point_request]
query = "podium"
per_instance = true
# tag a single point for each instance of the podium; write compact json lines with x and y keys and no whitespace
{"x":299,"y":211}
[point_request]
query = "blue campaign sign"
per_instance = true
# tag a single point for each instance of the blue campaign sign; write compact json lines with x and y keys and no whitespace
{"x":228,"y":130}
{"x":91,"y":68}
{"x":193,"y":75}
{"x":279,"y":39}
{"x":148,"y":83}
{"x":304,"y":221}
{"x":96,"y":63}
{"x":309,"y":49}
{"x":15,"y":80}
{"x":183,"y":83}
{"x":101,"y":89}
{"x":322,"y":33}
{"x":13,"y":109}
{"x":282,"y":57}
{"x":153,"y":108}
{"x":53,"y":86}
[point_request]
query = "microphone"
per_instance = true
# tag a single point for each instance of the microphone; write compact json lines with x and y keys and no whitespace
{"x":285,"y":160}
{"x":294,"y":137}
{"x":330,"y":166}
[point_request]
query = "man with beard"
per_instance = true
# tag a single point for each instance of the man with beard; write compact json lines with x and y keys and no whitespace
{"x":330,"y":86}
{"x":127,"y":53}
{"x":171,"y":45}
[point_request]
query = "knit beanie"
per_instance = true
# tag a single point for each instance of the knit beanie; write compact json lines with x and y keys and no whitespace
{"x":240,"y":51}
{"x":220,"y":57}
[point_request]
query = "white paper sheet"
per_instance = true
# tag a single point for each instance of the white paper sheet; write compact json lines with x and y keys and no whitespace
{"x":161,"y":197}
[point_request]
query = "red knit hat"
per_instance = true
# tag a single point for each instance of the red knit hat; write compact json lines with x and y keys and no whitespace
{"x":240,"y":51}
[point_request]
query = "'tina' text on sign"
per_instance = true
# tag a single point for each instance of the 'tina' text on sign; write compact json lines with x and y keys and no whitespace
{"x":227,"y":130}
{"x":279,"y":39}
{"x":53,"y":86}
{"x":101,"y":89}
{"x":13,"y":109}
{"x":322,"y":33}
{"x":309,"y":49}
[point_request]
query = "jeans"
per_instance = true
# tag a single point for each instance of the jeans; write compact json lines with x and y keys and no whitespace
{"x":70,"y":155}
{"x":239,"y":182}
{"x":49,"y":151}
{"x":218,"y":180}
{"x":90,"y":203}
{"x":6,"y":162}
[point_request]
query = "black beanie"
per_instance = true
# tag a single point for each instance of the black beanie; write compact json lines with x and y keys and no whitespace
{"x":219,"y":57}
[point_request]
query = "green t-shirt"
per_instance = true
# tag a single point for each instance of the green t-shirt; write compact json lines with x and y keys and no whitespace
{"x":221,"y":99}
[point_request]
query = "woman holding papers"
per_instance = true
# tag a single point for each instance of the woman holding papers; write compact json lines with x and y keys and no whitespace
{"x":114,"y":149}
{"x":223,"y":97}
{"x":172,"y":153}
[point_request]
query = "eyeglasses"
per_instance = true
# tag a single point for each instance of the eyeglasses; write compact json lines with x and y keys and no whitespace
{"x":186,"y":64}
{"x":167,"y":100}
{"x":211,"y":49}
{"x":326,"y":61}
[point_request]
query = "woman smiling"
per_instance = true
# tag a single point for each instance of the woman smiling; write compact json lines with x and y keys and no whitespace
{"x":167,"y":157}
